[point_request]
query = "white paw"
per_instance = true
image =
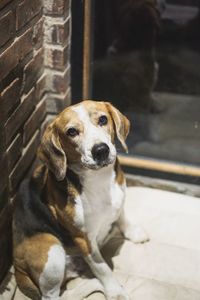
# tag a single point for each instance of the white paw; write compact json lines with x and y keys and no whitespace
{"x":137,"y":235}
{"x":123,"y":296}
{"x":119,"y":297}
{"x":117,"y":294}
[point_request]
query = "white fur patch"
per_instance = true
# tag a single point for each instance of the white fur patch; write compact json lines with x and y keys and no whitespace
{"x":113,"y":290}
{"x":102,"y":199}
{"x":79,"y":213}
{"x":136,"y":234}
{"x":93,"y":134}
{"x":53,"y":274}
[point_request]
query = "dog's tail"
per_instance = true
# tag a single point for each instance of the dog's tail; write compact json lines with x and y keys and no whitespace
{"x":83,"y":289}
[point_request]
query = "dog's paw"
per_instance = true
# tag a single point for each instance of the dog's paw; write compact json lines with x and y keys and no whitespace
{"x":119,"y":297}
{"x":137,"y":235}
{"x":123,"y":296}
{"x":117,"y":294}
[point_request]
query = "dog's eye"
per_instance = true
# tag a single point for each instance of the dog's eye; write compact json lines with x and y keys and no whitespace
{"x":103,"y":120}
{"x":72,"y":132}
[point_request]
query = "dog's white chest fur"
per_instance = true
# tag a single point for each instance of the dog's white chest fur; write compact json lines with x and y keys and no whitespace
{"x":101,"y":201}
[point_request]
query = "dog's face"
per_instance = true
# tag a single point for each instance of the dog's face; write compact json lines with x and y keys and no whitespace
{"x":83,"y":135}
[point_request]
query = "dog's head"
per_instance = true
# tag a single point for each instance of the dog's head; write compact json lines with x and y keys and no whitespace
{"x":83,"y":135}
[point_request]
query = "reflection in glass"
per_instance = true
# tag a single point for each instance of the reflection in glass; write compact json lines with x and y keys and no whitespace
{"x":147,"y":63}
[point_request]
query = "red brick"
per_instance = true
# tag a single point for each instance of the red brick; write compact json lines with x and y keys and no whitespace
{"x":4,"y":196}
{"x":58,"y":33}
{"x":57,"y":57}
{"x":4,"y":172}
{"x":34,"y":122}
{"x":4,"y":3}
{"x":9,"y":60}
{"x":25,"y":162}
{"x":14,"y":151}
{"x":26,"y":10}
{"x":38,"y":34}
{"x":59,"y":82}
{"x":19,"y":116}
{"x":63,"y":33}
{"x":33,"y":70}
{"x":2,"y":140}
{"x":2,"y":117}
{"x":10,"y":97}
{"x":56,"y":7}
{"x":40,"y":88}
{"x":25,"y":43}
{"x":56,"y":103}
{"x":5,"y":240}
{"x":7,"y":25}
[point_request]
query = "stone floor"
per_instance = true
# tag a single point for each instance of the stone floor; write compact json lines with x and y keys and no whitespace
{"x":167,"y":267}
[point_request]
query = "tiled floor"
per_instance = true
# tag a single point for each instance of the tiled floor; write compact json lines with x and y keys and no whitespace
{"x":167,"y":267}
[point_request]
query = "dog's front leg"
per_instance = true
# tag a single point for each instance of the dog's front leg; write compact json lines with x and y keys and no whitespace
{"x":131,"y":232}
{"x":90,"y":251}
{"x":113,"y":290}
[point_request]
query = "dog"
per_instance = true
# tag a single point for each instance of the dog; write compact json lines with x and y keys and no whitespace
{"x":125,"y":67}
{"x":69,"y":205}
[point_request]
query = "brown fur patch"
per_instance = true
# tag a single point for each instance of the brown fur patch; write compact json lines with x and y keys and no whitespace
{"x":68,"y":118}
{"x":121,"y":124}
{"x":83,"y":244}
{"x":31,"y":255}
{"x":120,"y":178}
{"x":40,"y":176}
{"x":62,"y":206}
{"x":27,"y":286}
{"x":51,"y":153}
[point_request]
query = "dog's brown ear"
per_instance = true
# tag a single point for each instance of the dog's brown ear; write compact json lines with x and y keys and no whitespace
{"x":51,"y":153}
{"x":122,"y":124}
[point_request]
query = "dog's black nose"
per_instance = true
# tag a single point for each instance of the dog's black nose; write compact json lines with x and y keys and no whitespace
{"x":100,"y":152}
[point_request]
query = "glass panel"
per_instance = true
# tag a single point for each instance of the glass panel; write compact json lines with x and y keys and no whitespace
{"x":147,"y":63}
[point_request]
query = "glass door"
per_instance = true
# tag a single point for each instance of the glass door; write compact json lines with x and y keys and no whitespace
{"x":144,"y":57}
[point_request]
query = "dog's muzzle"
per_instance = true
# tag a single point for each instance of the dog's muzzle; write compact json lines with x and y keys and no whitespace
{"x":100,"y":153}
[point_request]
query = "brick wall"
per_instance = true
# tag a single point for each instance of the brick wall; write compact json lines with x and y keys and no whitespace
{"x":34,"y":81}
{"x":57,"y":53}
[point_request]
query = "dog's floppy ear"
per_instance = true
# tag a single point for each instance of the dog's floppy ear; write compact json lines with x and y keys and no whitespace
{"x":51,"y":153}
{"x":122,"y":124}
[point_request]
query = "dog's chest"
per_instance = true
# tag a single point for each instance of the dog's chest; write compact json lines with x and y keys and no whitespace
{"x":102,"y":199}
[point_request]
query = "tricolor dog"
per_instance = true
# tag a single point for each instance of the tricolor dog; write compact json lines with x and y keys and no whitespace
{"x":68,"y":207}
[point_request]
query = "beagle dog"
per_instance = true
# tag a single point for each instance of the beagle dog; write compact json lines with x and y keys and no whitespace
{"x":67,"y":208}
